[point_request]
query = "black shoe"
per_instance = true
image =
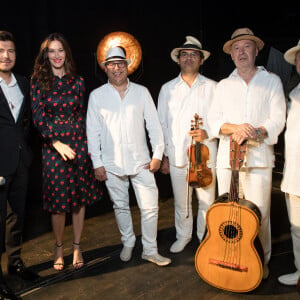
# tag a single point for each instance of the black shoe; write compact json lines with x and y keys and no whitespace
{"x":20,"y":270}
{"x":7,"y":293}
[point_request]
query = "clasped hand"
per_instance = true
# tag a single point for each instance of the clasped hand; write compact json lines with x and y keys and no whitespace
{"x":65,"y":151}
{"x":244,"y":132}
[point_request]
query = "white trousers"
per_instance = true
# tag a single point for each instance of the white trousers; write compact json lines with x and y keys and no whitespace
{"x":293,"y":208}
{"x":256,"y":184}
{"x":146,"y":193}
{"x":205,"y":196}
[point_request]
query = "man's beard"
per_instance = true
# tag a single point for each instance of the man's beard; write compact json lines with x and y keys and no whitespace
{"x":6,"y":70}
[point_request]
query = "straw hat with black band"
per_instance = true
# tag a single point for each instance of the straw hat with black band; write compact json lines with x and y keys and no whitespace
{"x":191,"y":43}
{"x":242,"y":34}
{"x":115,"y":54}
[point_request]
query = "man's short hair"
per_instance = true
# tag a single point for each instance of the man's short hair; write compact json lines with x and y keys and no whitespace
{"x":7,"y":36}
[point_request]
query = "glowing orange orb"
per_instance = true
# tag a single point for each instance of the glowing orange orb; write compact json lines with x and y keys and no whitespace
{"x":125,"y":40}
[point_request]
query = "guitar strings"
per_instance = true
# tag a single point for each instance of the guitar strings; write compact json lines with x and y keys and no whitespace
{"x":232,"y":254}
{"x":227,"y":228}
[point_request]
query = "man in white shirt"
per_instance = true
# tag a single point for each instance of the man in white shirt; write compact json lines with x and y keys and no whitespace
{"x":249,"y":105}
{"x":179,"y":100}
{"x":117,"y":115}
{"x":290,"y":182}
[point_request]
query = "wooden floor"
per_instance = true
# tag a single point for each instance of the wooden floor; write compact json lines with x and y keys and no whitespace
{"x":106,"y":277}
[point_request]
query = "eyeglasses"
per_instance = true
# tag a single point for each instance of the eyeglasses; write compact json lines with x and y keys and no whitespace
{"x":190,"y":54}
{"x":120,"y":64}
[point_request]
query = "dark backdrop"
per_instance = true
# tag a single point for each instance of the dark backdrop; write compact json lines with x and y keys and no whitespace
{"x":159,"y":26}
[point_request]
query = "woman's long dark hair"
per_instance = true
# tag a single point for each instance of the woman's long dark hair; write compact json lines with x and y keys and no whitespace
{"x":42,"y":70}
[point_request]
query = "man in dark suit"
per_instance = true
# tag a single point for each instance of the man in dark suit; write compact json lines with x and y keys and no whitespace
{"x":15,"y":158}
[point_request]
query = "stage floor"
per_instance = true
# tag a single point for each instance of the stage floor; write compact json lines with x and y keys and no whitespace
{"x":105,"y":276}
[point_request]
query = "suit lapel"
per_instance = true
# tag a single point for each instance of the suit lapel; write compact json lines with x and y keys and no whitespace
{"x":23,"y":90}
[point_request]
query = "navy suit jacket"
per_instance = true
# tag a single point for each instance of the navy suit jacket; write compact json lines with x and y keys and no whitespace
{"x":13,"y":134}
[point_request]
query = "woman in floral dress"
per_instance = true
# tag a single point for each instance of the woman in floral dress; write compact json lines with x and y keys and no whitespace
{"x":59,"y":113}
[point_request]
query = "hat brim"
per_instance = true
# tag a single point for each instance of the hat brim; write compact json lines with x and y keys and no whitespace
{"x":227,"y":46}
{"x":175,"y":53}
{"x":115,"y":59}
{"x":290,"y":55}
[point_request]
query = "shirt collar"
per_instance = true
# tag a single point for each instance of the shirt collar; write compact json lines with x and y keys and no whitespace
{"x":258,"y":70}
{"x":128,"y":85}
{"x":196,"y":81}
{"x":13,"y":81}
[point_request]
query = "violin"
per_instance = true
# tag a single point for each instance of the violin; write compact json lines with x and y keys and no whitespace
{"x":199,"y":175}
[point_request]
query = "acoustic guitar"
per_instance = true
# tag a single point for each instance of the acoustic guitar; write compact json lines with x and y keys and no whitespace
{"x":231,"y":257}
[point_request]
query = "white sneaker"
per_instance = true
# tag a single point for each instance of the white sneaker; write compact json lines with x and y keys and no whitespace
{"x":179,"y":245}
{"x":126,"y":253}
{"x":157,"y":259}
{"x":289,"y":279}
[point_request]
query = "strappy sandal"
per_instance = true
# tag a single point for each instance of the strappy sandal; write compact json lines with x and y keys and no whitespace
{"x":58,"y":266}
{"x":77,"y":264}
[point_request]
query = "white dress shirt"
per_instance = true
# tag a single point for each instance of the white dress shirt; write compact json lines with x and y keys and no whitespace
{"x":177,"y":105}
{"x":116,"y":129}
{"x":290,"y":183}
{"x":260,"y":103}
{"x":13,"y":95}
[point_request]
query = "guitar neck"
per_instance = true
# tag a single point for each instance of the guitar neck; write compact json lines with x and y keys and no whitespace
{"x":234,"y":186}
{"x":237,"y":154}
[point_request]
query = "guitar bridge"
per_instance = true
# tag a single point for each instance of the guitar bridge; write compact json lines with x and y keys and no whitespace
{"x":226,"y":265}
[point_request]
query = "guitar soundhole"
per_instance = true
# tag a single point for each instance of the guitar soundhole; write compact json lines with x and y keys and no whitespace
{"x":230,"y":231}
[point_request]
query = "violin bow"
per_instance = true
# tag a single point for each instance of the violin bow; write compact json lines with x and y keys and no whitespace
{"x":188,"y":182}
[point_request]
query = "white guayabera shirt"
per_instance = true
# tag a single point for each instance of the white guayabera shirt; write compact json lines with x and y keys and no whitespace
{"x":116,"y":129}
{"x":177,"y":105}
{"x":290,"y":183}
{"x":260,"y":103}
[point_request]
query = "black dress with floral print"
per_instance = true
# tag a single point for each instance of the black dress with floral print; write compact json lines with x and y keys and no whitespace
{"x":59,"y":114}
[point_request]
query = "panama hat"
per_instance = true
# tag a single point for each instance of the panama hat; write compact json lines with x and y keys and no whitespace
{"x":290,"y":55}
{"x":113,"y":54}
{"x":191,"y":43}
{"x":242,"y":34}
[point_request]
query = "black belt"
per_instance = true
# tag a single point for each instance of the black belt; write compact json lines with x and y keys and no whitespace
{"x":64,"y":120}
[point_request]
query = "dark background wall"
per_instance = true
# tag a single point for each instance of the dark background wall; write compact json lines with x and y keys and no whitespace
{"x":159,"y":26}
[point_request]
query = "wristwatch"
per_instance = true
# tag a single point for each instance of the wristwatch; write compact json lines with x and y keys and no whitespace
{"x":258,"y":132}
